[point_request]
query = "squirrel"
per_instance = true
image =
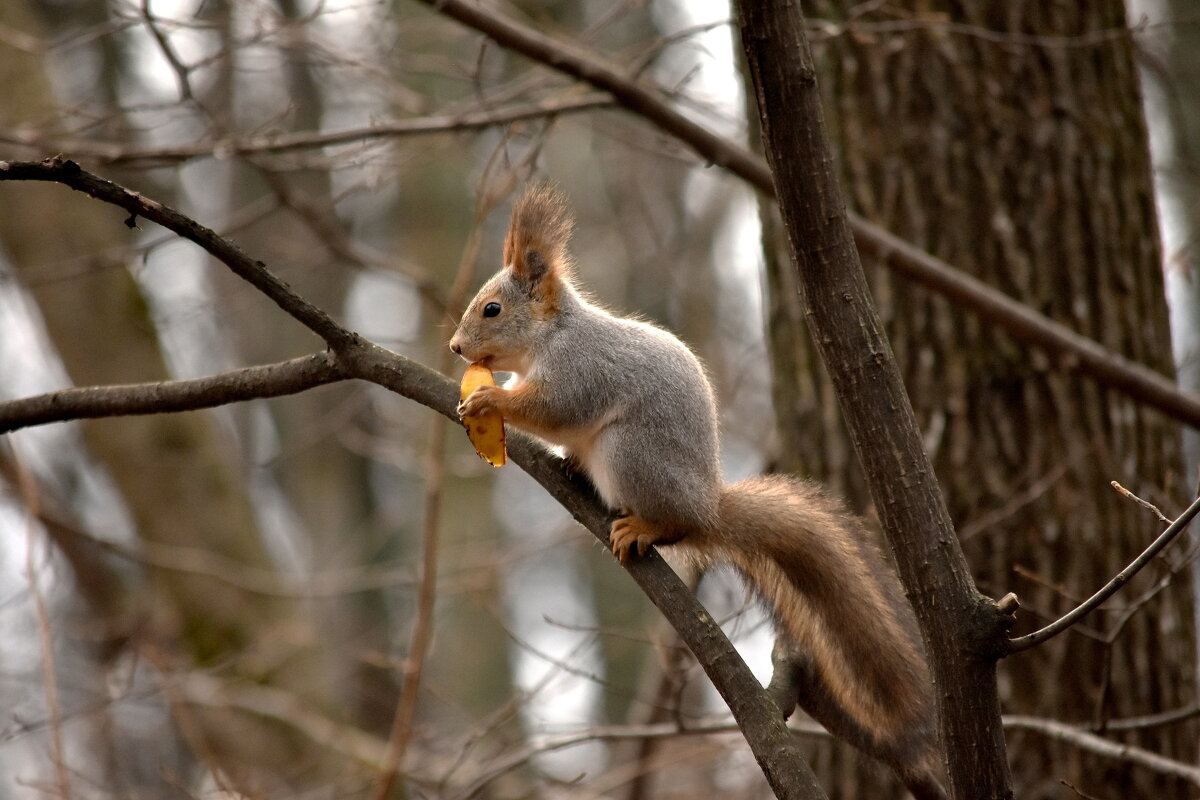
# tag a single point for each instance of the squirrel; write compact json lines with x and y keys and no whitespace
{"x":632,"y":408}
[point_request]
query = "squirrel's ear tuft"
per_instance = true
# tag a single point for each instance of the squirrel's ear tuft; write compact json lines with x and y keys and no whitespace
{"x":538,"y":235}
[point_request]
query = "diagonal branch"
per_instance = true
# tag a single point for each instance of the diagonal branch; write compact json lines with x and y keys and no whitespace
{"x":1024,"y":324}
{"x":68,"y":173}
{"x":354,"y":357}
{"x":1073,"y":350}
{"x":756,"y":714}
{"x":577,"y":61}
{"x":268,"y":380}
{"x":1109,"y":589}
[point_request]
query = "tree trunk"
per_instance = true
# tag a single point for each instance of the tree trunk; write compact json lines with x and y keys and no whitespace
{"x":962,"y":630}
{"x":172,"y":471}
{"x":1171,"y":74}
{"x":1012,"y":145}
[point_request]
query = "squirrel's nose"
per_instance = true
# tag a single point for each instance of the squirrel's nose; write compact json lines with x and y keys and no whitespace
{"x":456,"y":347}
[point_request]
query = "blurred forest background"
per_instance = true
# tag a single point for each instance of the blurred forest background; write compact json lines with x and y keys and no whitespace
{"x":221,"y":603}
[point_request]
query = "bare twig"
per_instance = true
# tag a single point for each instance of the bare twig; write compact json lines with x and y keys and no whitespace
{"x":244,"y":577}
{"x":967,"y":293}
{"x":1143,"y":503}
{"x":511,"y":761}
{"x":435,"y":468}
{"x":369,"y":751}
{"x":1076,"y":790}
{"x":192,"y":731}
{"x":182,"y":74}
{"x":30,"y":496}
{"x":68,"y":173}
{"x":287,"y":708}
{"x":575,"y":60}
{"x":1094,"y":744}
{"x":1015,"y":503}
{"x":116,"y":153}
{"x":204,"y":690}
{"x":1109,"y":589}
{"x":1153,"y":720}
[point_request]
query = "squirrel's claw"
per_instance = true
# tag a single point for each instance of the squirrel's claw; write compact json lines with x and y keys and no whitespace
{"x":571,"y":466}
{"x":481,"y":401}
{"x":631,"y":537}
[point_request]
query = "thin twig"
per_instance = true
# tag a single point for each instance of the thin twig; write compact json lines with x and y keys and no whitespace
{"x":1153,"y":720}
{"x":435,"y":468}
{"x":267,"y":583}
{"x":1110,"y":588}
{"x":190,"y":728}
{"x":276,"y":704}
{"x":664,"y":730}
{"x":1092,"y":743}
{"x":182,"y":74}
{"x":31,"y":497}
{"x":1076,"y":790}
{"x":1143,"y":503}
{"x":115,"y":153}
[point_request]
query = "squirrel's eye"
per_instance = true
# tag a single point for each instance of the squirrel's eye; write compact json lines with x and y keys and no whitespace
{"x":491,"y":310}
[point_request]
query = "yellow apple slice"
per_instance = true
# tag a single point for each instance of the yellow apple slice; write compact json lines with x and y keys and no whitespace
{"x":485,"y":431}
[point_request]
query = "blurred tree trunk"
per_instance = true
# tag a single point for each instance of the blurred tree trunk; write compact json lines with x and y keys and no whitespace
{"x":160,"y":465}
{"x":1172,"y":72}
{"x":101,"y":329}
{"x":1015,"y":149}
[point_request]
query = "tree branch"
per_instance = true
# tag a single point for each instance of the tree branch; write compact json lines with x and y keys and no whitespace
{"x":1109,"y":589}
{"x":354,"y":357}
{"x":269,"y":380}
{"x":756,"y":714}
{"x":68,"y":173}
{"x":1096,"y":744}
{"x":114,"y":153}
{"x":1073,"y":350}
{"x":577,"y":61}
{"x":368,"y":750}
{"x":1024,"y":324}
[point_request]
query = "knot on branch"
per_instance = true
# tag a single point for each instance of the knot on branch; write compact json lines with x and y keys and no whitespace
{"x":987,"y":626}
{"x":63,"y":164}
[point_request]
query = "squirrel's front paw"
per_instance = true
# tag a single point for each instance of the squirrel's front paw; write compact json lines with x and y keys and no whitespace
{"x":483,"y":400}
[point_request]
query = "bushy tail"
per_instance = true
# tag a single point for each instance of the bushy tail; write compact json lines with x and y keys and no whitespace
{"x":849,"y":653}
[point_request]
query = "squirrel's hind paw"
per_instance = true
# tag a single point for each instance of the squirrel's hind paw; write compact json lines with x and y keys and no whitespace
{"x":631,"y":537}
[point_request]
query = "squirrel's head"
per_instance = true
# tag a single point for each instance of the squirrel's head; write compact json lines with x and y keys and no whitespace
{"x":504,"y":321}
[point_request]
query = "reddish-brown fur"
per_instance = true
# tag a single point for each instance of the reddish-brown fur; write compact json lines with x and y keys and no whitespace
{"x":632,"y":407}
{"x":850,"y":656}
{"x":536,"y":245}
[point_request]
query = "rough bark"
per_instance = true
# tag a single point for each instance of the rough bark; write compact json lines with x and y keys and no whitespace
{"x":1014,"y":147}
{"x":962,"y":629}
